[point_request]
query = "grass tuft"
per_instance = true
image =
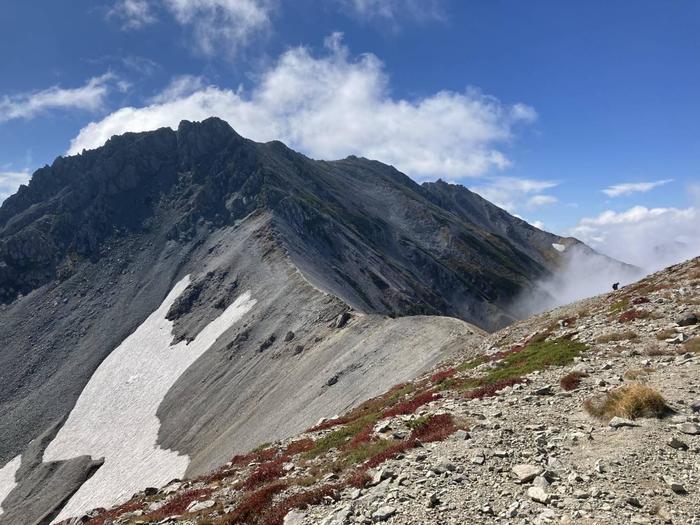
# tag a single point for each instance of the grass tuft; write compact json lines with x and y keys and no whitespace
{"x":571,"y":380}
{"x":627,"y":335}
{"x":692,"y":345}
{"x":630,"y":401}
{"x":639,"y":374}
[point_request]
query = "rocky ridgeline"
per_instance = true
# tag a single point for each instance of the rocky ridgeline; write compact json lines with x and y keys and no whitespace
{"x":586,"y":414}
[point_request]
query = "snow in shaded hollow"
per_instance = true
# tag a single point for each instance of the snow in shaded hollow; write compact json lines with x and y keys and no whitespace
{"x":7,"y":478}
{"x":115,"y":415}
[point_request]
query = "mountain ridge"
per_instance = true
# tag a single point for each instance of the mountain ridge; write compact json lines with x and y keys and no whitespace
{"x":360,"y":280}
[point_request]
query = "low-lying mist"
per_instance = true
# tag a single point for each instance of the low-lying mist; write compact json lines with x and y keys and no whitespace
{"x":583,"y":273}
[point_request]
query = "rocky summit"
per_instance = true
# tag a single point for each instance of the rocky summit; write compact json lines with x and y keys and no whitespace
{"x":586,"y":414}
{"x":177,"y":297}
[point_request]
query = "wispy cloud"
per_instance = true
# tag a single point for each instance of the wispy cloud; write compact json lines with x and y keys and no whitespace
{"x":89,"y":97}
{"x":335,"y":105}
{"x":513,"y":194}
{"x":394,"y":9}
{"x":222,"y":26}
{"x":537,"y":201}
{"x":134,"y":14}
{"x":627,"y":188}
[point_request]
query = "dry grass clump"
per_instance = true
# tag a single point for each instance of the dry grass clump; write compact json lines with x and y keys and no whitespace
{"x":630,"y":401}
{"x":571,"y":380}
{"x":627,"y":335}
{"x":692,"y":345}
{"x":639,"y":374}
{"x":668,"y":333}
{"x":655,"y":350}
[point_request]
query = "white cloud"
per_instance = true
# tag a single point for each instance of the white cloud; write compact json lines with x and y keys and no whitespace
{"x":10,"y":181}
{"x":89,"y":97}
{"x":134,"y":14}
{"x":392,"y":9}
{"x":179,"y":87}
{"x":510,"y":193}
{"x":651,"y":238}
{"x":541,"y":200}
{"x":335,"y":105}
{"x":221,"y":25}
{"x":633,"y":187}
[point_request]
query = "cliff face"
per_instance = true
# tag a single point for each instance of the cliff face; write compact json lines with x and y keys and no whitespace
{"x":222,"y":293}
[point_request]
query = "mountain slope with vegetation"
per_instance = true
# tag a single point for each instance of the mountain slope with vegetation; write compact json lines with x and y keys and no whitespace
{"x":589,"y":413}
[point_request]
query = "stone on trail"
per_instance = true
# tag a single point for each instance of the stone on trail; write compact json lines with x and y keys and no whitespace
{"x":526,"y":473}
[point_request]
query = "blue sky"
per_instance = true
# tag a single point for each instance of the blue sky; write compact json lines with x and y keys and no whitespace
{"x":580,"y":117}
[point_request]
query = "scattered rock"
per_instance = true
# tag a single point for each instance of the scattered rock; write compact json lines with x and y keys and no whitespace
{"x":691,"y":429}
{"x":688,"y":320}
{"x":384,"y":513}
{"x":526,"y":473}
{"x":462,"y":435}
{"x":538,"y":494}
{"x":675,"y":486}
{"x":619,"y":422}
{"x":196,"y":506}
{"x":294,"y":517}
{"x":676,"y":443}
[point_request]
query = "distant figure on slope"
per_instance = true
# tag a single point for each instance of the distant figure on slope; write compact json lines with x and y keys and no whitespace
{"x":616,"y":286}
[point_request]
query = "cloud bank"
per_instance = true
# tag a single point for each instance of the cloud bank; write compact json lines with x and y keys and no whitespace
{"x":651,"y":238}
{"x":335,"y":105}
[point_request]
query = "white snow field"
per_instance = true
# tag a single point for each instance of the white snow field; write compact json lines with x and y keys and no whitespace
{"x":7,"y":478}
{"x":115,"y":415}
{"x":559,"y":247}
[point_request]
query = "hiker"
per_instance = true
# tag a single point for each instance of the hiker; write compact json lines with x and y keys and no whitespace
{"x":616,"y":286}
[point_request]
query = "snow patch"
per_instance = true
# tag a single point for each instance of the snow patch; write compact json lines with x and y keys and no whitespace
{"x":7,"y":479}
{"x":115,"y":415}
{"x":559,"y":247}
